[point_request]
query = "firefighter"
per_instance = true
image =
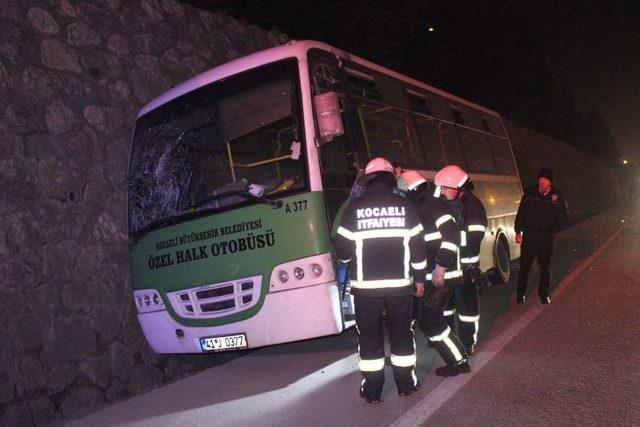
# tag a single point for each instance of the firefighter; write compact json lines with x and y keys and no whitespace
{"x":471,"y":217}
{"x":380,"y":236}
{"x":541,"y":213}
{"x":442,"y":240}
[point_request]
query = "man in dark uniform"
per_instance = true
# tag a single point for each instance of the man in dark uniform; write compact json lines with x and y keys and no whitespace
{"x":471,"y":218}
{"x":442,"y":240}
{"x":380,"y":236}
{"x":541,"y":213}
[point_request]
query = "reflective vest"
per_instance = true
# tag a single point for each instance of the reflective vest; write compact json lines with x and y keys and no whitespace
{"x":381,"y":237}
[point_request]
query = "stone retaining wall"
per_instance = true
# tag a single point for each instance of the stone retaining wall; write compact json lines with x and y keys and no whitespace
{"x":73,"y":75}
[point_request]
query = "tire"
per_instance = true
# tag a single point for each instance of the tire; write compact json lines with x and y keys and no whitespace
{"x":502,"y":271}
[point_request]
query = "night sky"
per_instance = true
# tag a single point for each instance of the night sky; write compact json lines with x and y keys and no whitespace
{"x":596,"y":46}
{"x":506,"y":55}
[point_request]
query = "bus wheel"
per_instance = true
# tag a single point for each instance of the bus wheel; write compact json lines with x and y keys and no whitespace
{"x":502,"y":270}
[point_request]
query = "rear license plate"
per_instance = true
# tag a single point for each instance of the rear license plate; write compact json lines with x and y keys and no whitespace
{"x":224,"y":342}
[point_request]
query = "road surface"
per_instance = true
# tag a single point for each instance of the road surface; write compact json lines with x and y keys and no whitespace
{"x":573,"y":362}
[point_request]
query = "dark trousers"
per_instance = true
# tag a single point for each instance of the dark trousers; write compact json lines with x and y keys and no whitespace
{"x":370,"y":326}
{"x":534,"y":245}
{"x":432,"y":322}
{"x":464,"y":305}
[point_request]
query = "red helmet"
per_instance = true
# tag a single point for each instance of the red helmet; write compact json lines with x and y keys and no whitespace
{"x":378,"y":164}
{"x":451,"y":176}
{"x":409,"y":180}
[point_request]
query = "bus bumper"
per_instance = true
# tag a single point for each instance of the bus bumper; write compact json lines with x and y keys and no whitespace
{"x":286,"y":316}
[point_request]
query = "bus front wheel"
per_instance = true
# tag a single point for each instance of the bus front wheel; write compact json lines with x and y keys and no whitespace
{"x":501,"y":271}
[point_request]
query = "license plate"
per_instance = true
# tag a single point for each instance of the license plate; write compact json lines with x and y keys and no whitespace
{"x":224,"y":342}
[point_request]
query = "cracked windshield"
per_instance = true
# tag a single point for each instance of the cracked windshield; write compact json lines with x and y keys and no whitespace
{"x":227,"y":144}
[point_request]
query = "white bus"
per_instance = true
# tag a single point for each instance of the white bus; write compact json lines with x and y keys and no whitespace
{"x":236,"y":176}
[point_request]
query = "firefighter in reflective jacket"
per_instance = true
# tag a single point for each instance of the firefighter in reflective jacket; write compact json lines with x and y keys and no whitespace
{"x":471,"y":217}
{"x":442,"y":240}
{"x":380,"y":235}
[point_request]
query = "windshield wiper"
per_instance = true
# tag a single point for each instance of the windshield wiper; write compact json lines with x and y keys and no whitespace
{"x":242,"y":188}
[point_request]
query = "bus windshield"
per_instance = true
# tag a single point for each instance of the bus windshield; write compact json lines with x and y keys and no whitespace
{"x":227,"y":144}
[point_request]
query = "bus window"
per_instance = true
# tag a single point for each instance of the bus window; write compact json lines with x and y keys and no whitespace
{"x":219,"y":134}
{"x":438,"y":107}
{"x":457,"y":116}
{"x":338,"y":173}
{"x":485,"y":125}
{"x":419,"y":103}
{"x":476,"y":151}
{"x":502,"y":155}
{"x":389,"y":133}
{"x":451,"y":145}
{"x":391,"y":91}
{"x":429,"y":132}
{"x":362,"y":85}
{"x":495,"y":126}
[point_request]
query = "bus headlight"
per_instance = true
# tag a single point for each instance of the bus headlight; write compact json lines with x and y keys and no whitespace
{"x":283,"y":276}
{"x":148,"y":300}
{"x":316,"y":269}
{"x":308,"y":271}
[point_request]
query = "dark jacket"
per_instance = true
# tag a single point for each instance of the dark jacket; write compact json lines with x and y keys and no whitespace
{"x":381,"y":237}
{"x":473,"y":225}
{"x":541,"y":214}
{"x":442,"y":235}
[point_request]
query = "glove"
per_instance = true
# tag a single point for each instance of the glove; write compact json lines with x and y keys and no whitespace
{"x":437,"y":276}
{"x":434,"y":298}
{"x":419,"y":289}
{"x":518,"y":238}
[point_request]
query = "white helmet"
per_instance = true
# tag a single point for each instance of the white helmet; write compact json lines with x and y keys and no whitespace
{"x":378,"y":164}
{"x":451,"y":176}
{"x":409,"y":180}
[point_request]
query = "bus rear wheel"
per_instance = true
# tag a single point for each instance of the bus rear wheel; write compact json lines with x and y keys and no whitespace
{"x":502,"y":270}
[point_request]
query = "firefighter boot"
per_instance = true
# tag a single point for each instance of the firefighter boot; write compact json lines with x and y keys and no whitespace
{"x":471,"y":349}
{"x":461,"y":367}
{"x":407,"y":392}
{"x":369,"y":399}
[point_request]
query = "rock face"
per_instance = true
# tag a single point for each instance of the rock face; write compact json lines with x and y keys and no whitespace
{"x":73,"y":75}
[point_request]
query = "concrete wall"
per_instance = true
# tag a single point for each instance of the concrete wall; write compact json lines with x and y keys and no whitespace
{"x":589,"y":184}
{"x":73,"y":75}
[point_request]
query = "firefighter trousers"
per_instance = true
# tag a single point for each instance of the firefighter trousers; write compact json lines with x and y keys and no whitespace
{"x":534,"y":245}
{"x":464,"y":306}
{"x":370,"y":326}
{"x":434,"y":326}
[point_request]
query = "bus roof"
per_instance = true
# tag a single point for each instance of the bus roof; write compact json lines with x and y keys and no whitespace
{"x":297,"y":49}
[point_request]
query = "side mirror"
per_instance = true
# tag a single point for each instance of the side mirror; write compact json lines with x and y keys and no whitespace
{"x":330,"y":123}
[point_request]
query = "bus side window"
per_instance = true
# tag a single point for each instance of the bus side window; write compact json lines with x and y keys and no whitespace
{"x":389,"y":133}
{"x":338,"y":171}
{"x":451,"y":144}
{"x":430,"y":138}
{"x":475,"y":147}
{"x":502,"y":155}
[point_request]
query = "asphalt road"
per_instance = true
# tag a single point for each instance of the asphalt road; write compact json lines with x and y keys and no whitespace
{"x":573,"y":362}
